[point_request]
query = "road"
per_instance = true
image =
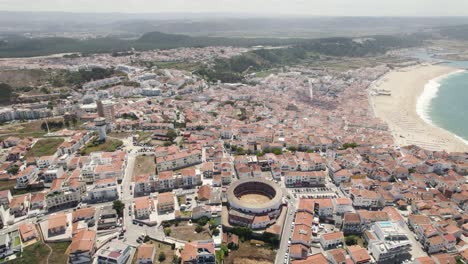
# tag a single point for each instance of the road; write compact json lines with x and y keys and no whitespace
{"x":286,"y":232}
{"x":134,"y":231}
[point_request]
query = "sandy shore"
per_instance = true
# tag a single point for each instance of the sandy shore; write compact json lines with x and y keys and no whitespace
{"x":399,"y":109}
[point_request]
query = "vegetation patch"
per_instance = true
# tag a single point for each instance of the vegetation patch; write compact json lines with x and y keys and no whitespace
{"x":110,"y":145}
{"x":44,"y":147}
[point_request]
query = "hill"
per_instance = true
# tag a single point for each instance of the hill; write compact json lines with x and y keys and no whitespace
{"x":27,"y":47}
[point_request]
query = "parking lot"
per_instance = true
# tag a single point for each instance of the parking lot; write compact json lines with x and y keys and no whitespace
{"x":313,"y":192}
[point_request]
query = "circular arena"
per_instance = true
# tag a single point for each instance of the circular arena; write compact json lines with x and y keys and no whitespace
{"x":256,"y":196}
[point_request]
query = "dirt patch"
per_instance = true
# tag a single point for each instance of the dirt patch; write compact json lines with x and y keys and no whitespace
{"x":254,"y":199}
{"x":250,"y":254}
{"x":144,"y":165}
{"x":187,"y":232}
{"x":22,"y":78}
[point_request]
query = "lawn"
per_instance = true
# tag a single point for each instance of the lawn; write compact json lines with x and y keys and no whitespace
{"x":250,"y":254}
{"x":187,"y":232}
{"x":59,"y":254}
{"x":35,"y":253}
{"x":44,"y":147}
{"x":16,"y":242}
{"x":181,"y":199}
{"x":110,"y":145}
{"x":144,"y":165}
{"x":161,"y":247}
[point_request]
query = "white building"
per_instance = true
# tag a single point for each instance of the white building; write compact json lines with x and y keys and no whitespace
{"x":113,"y":253}
{"x":331,"y":240}
{"x":304,"y":178}
{"x":26,"y":176}
{"x":389,"y":241}
{"x":102,"y":83}
{"x":179,"y":160}
{"x":45,"y":161}
{"x":104,"y":190}
{"x":343,"y":205}
{"x":53,"y":173}
{"x":102,"y":165}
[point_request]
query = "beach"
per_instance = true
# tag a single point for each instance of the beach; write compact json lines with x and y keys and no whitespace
{"x":400,"y":109}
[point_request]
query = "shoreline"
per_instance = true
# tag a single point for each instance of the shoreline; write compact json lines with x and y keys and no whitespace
{"x":405,"y":110}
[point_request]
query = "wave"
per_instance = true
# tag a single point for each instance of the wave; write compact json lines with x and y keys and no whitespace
{"x":423,"y":103}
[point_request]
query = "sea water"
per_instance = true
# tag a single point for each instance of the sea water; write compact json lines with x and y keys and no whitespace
{"x":444,"y":103}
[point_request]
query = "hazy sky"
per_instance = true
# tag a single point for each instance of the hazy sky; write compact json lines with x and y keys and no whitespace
{"x":300,"y":7}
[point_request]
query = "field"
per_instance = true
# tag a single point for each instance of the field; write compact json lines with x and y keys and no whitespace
{"x":187,"y":232}
{"x":110,"y":145}
{"x":250,"y":254}
{"x":144,"y":165}
{"x":28,"y":129}
{"x":23,"y":78}
{"x":44,"y":147}
{"x":38,"y":252}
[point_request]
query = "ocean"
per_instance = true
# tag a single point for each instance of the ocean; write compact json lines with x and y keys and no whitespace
{"x":444,"y":102}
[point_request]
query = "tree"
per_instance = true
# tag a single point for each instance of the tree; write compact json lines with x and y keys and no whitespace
{"x":244,"y":233}
{"x":167,"y":231}
{"x":349,"y":145}
{"x":292,"y":149}
{"x":277,"y":151}
{"x":162,"y":256}
{"x":202,"y":221}
{"x":350,"y":240}
{"x":215,"y":232}
{"x":13,"y":170}
{"x":119,"y":207}
{"x":212,"y":224}
{"x":176,"y":259}
{"x":6,"y":94}
{"x":171,"y":135}
{"x":224,"y":249}
{"x":199,"y":228}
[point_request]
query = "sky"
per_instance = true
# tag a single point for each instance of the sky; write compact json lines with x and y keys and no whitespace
{"x":285,"y":7}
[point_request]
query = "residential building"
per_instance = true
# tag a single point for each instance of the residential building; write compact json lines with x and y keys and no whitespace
{"x":331,"y":240}
{"x":179,"y":160}
{"x":82,"y":247}
{"x":146,"y":254}
{"x":198,"y":252}
{"x":113,"y":253}
{"x":143,"y":207}
{"x":388,"y":241}
{"x":304,"y":178}
{"x":26,"y":177}
{"x":166,"y":202}
{"x":28,"y":232}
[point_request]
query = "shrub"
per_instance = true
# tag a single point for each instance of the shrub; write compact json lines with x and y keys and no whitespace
{"x":199,"y":228}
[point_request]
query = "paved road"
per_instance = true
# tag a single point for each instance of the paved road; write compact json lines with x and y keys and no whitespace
{"x":286,"y":232}
{"x":134,"y":231}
